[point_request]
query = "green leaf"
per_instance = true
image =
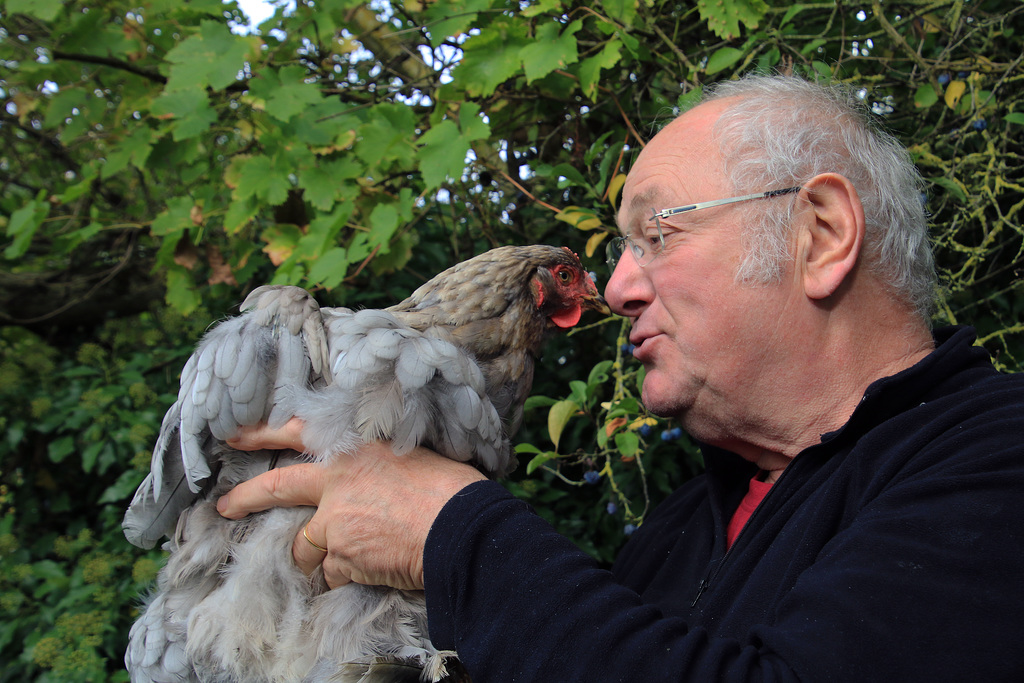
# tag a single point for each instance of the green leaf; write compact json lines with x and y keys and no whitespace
{"x":590,"y":68}
{"x":122,"y":488}
{"x":175,"y":218}
{"x":540,"y":7}
{"x":571,"y":174}
{"x":47,"y":10}
{"x":951,"y":186}
{"x":599,"y":374}
{"x":330,"y":269}
{"x":181,"y":290}
{"x":63,"y":106}
{"x":812,"y":45}
{"x":925,"y":96}
{"x":823,"y":70}
{"x":322,"y":232}
{"x":550,"y":50}
{"x":491,"y":58}
{"x":558,"y":417}
{"x":190,"y":109}
{"x":623,"y":11}
{"x":627,"y":444}
{"x":293,"y":94}
{"x":539,"y":460}
{"x":447,"y":19}
{"x":724,"y":16}
{"x":23,"y":226}
{"x":579,"y":393}
{"x":690,"y":99}
{"x":60,"y":448}
{"x":442,"y":154}
{"x":471,"y":124}
{"x":1015,"y":117}
{"x":91,"y":453}
{"x":790,"y":13}
{"x":538,"y":402}
{"x":388,"y":136}
{"x":239,"y":213}
{"x":261,"y":177}
{"x":383,"y":223}
{"x":721,"y":59}
{"x":214,"y":57}
{"x":321,"y":189}
{"x":135,"y":149}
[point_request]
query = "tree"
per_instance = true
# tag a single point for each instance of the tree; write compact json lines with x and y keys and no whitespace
{"x":158,"y":161}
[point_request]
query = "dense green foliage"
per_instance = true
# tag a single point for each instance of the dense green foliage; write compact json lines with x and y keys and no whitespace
{"x":155,"y":166}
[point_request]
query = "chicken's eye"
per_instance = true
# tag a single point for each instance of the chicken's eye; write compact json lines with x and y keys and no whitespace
{"x":564,"y":275}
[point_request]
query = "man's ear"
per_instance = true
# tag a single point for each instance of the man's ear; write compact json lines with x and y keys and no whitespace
{"x":831,"y":239}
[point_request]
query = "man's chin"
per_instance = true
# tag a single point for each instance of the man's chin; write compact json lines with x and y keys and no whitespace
{"x":658,"y":402}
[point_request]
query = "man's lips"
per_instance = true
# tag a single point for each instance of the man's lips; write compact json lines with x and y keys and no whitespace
{"x":641,"y":345}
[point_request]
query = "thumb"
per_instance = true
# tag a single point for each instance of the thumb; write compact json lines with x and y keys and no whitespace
{"x":291,"y":486}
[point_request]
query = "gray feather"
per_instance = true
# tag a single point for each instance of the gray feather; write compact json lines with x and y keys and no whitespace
{"x":230,"y":606}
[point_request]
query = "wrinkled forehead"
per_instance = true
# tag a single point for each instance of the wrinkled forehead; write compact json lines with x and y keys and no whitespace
{"x":682,"y":163}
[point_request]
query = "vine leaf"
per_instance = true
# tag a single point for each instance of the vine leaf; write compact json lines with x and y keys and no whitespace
{"x":213,"y":57}
{"x":590,"y":68}
{"x":491,"y":58}
{"x":549,"y":50}
{"x":23,"y":225}
{"x":724,"y":16}
{"x":47,"y":10}
{"x":442,"y":153}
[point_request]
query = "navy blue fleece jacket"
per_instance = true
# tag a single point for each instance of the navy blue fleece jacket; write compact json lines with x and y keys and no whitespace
{"x":891,"y":551}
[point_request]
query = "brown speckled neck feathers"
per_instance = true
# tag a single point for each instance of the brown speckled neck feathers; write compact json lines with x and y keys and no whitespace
{"x":487,"y":303}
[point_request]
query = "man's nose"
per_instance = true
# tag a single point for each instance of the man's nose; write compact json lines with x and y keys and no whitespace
{"x":628,"y":291}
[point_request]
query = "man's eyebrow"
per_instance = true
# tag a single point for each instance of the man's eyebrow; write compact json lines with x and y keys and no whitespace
{"x":640,"y":207}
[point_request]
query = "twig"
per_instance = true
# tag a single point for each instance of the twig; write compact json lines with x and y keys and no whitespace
{"x":527,"y":193}
{"x":110,"y":61}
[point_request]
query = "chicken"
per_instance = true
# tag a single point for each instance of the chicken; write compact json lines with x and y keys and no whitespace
{"x":449,"y":368}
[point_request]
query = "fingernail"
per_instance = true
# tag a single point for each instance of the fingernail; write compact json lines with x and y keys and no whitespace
{"x":222,"y":504}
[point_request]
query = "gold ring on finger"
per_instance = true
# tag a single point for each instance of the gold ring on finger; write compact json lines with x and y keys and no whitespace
{"x":305,"y":534}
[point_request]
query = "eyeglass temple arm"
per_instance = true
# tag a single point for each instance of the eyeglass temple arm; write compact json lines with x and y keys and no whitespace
{"x":719,"y":202}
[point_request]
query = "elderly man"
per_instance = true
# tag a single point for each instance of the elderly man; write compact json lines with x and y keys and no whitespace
{"x":858,"y":517}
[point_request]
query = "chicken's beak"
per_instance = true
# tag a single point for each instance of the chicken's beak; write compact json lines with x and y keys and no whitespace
{"x":593,"y":301}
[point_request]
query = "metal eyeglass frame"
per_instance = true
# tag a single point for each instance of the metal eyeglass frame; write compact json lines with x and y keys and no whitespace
{"x":645,"y":254}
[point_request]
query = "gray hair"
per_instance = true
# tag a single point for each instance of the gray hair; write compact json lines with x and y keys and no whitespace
{"x":784,"y":130}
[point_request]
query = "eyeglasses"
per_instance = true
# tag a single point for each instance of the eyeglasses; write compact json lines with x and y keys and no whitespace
{"x":650,"y":247}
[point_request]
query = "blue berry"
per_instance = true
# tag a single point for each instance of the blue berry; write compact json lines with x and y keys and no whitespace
{"x":962,"y":74}
{"x":592,"y":477}
{"x":629,"y":529}
{"x":672,"y":434}
{"x":980,"y":124}
{"x":645,"y":430}
{"x":943,"y":79}
{"x":627,"y":348}
{"x":612,"y":508}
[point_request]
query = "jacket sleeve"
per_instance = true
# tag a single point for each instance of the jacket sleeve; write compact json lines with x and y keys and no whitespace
{"x":922,"y":582}
{"x":519,"y":602}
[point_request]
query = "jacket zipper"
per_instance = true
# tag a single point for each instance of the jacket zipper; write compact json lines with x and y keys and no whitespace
{"x":710,"y":575}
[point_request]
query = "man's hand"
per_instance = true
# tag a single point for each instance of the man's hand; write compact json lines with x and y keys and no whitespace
{"x":374,"y":510}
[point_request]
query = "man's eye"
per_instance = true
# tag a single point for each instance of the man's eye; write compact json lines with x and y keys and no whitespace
{"x":651,"y":240}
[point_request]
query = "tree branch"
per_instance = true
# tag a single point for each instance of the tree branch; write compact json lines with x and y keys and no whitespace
{"x":110,"y":61}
